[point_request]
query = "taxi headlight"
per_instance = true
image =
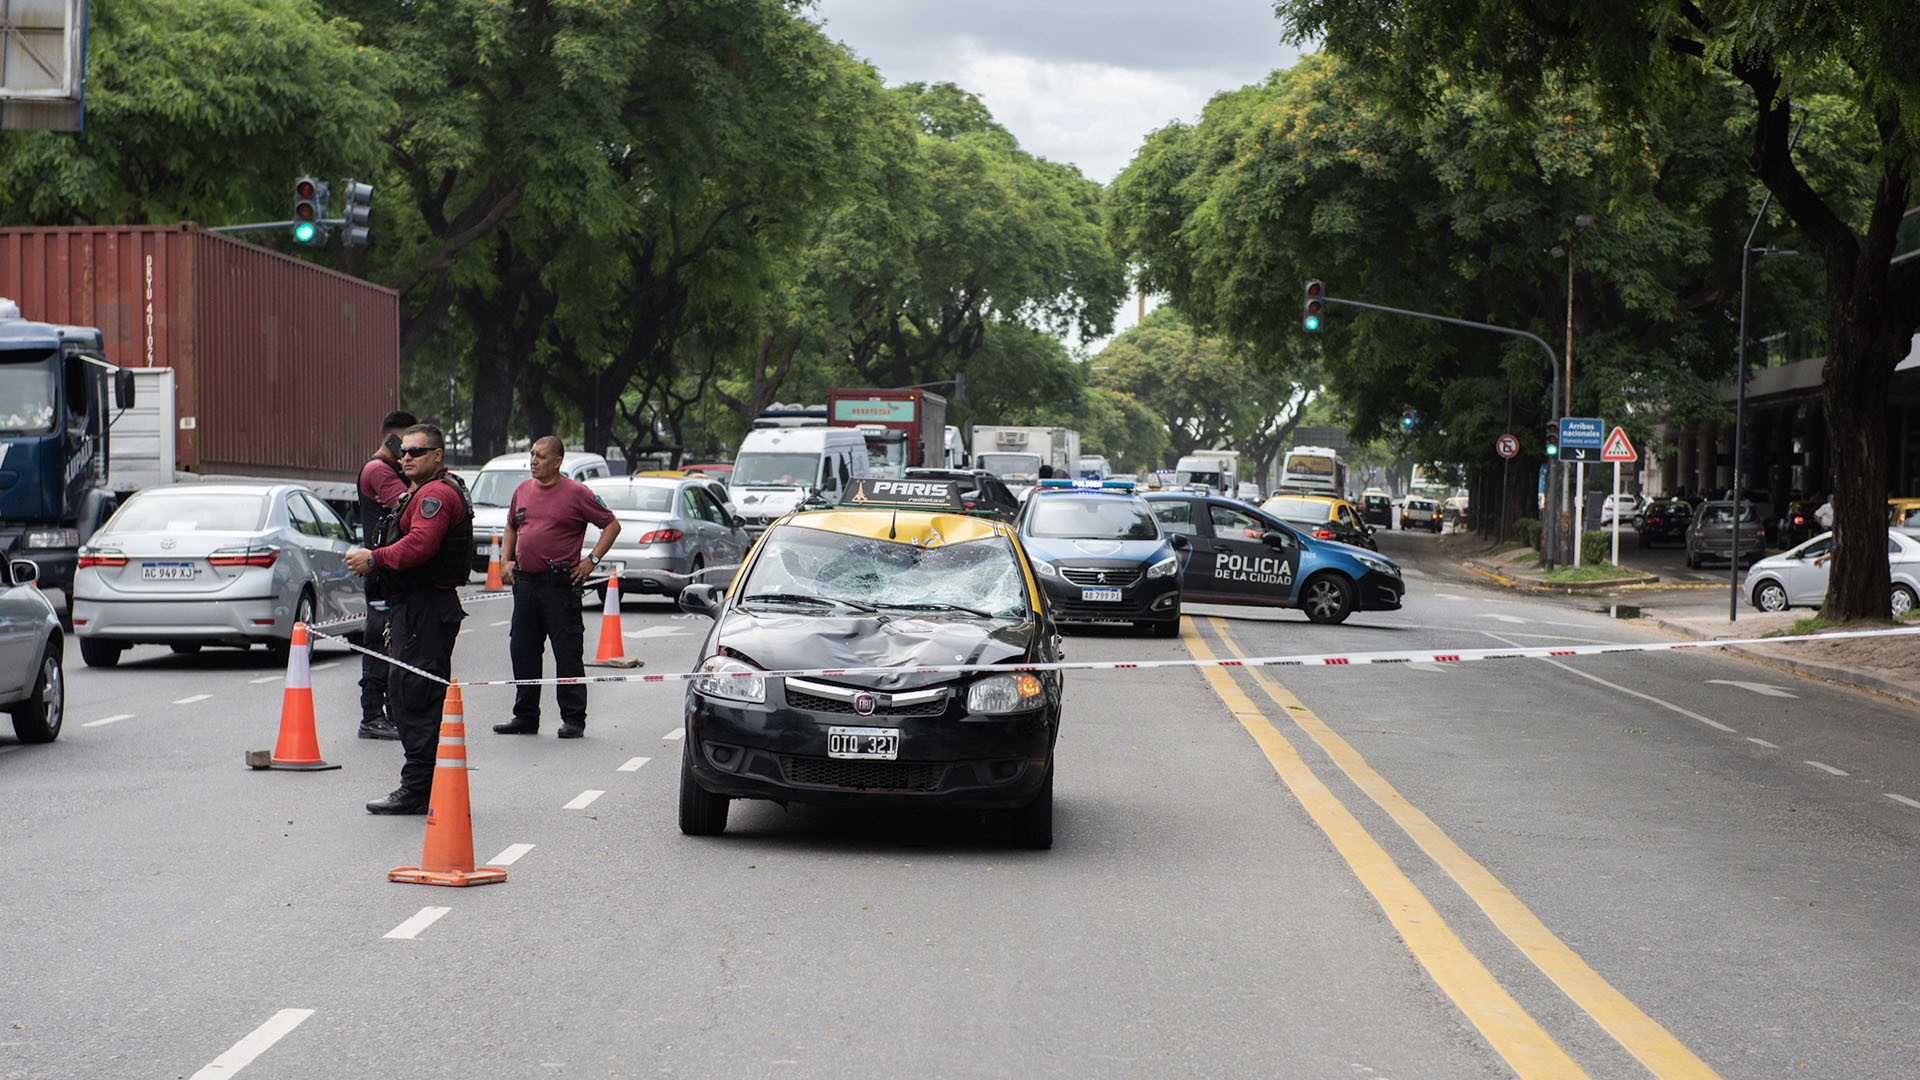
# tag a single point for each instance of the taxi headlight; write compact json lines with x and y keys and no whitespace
{"x":1045,"y":569}
{"x":1166,"y":567}
{"x":1004,"y":694}
{"x":1378,"y":565}
{"x":725,"y":677}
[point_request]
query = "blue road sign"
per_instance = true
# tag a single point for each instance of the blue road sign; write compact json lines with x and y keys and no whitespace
{"x":1581,"y":438}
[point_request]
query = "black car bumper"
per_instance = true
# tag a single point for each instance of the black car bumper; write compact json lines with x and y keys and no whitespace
{"x":952,"y":760}
{"x":1379,"y":592}
{"x":1141,"y":598}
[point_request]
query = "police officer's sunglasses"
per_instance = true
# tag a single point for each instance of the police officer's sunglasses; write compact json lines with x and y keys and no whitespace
{"x":417,"y":451}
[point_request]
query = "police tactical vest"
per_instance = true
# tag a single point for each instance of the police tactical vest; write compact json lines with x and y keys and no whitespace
{"x":448,"y":567}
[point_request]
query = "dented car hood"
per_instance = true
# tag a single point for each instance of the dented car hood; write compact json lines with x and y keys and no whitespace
{"x":778,"y":640}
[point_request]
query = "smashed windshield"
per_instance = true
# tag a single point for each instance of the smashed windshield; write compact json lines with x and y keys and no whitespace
{"x":1097,"y":518}
{"x":775,"y":470}
{"x":28,"y":391}
{"x":799,"y":562}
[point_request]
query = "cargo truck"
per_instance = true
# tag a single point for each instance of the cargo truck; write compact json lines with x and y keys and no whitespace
{"x":139,"y":355}
{"x":917,"y":414}
{"x":1015,"y":454}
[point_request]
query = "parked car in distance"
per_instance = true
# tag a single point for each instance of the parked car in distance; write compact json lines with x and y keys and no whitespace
{"x":1454,"y":512}
{"x":195,"y":564}
{"x":1902,"y":513}
{"x":1798,"y":578}
{"x":1322,"y":517}
{"x":1376,"y":508}
{"x":981,"y":490}
{"x":1624,"y":507}
{"x":671,"y":528}
{"x":1799,"y":525}
{"x":1420,"y":512}
{"x":33,"y":681}
{"x":1715,"y":534}
{"x":1662,"y":519}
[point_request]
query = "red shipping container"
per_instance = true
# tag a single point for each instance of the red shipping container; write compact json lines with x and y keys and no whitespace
{"x":281,"y":367}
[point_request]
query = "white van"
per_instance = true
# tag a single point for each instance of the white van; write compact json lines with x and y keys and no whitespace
{"x":778,"y":468}
{"x":1092,"y":467}
{"x":493,"y":488}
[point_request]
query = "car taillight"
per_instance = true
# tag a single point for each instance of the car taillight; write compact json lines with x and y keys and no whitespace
{"x":1798,"y":520}
{"x":1323,"y":534}
{"x":100,"y":558}
{"x":662,"y":536}
{"x":248,"y":556}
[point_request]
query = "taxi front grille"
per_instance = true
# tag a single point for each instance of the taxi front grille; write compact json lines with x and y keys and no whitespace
{"x":867,"y":775}
{"x":1112,"y":579}
{"x":815,"y":703}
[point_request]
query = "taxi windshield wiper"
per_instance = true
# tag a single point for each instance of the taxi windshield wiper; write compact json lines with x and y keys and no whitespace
{"x":803,"y":598}
{"x":935,"y":606}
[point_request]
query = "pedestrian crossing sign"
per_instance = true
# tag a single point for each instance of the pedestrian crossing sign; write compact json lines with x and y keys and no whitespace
{"x":1617,"y":447}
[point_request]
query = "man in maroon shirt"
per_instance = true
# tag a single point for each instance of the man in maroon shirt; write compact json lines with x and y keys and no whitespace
{"x":421,"y":559}
{"x":547,"y":523}
{"x":382,"y":483}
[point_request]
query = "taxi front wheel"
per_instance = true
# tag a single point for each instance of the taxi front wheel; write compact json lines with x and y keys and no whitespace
{"x":702,"y":813}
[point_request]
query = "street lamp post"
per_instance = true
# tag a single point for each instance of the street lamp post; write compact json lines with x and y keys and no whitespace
{"x":1581,"y":223}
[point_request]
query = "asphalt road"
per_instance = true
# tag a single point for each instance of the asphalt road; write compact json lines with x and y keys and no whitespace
{"x":1617,"y":866}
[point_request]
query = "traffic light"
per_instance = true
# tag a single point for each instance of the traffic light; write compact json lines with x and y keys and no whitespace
{"x":357,"y":216}
{"x":1553,"y":439}
{"x":1408,"y":418}
{"x":309,"y":210}
{"x":1310,"y":313}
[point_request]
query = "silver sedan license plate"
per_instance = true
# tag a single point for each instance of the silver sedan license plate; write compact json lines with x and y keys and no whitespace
{"x":166,"y":571}
{"x":1100,"y":594}
{"x":878,"y":743}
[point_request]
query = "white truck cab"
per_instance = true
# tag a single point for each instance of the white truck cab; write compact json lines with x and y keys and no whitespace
{"x":777,"y":469}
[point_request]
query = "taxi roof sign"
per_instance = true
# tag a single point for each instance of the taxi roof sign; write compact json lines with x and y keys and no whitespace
{"x":879,"y":492}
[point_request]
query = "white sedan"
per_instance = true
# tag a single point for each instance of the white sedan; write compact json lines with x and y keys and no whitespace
{"x":1798,"y":577}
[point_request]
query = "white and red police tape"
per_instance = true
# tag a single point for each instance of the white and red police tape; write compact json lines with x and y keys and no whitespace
{"x":1456,"y":656}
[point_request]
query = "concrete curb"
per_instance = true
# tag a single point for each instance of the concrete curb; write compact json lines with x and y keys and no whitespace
{"x":1860,"y":680}
{"x":1556,"y":588}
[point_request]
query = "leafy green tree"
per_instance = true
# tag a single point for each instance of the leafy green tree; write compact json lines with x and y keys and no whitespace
{"x":1642,"y":54}
{"x":203,"y":110}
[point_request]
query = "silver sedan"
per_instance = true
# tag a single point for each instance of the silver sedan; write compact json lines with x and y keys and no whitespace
{"x":33,"y":683}
{"x":214,"y":564}
{"x":671,"y":529}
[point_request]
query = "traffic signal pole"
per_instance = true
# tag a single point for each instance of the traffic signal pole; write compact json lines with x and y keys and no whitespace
{"x":1553,"y":397}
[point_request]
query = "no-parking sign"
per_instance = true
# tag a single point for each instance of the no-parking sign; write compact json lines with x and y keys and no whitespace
{"x":1507,"y":445}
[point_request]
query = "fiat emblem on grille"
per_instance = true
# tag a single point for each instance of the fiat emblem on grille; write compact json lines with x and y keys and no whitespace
{"x":863,"y":704}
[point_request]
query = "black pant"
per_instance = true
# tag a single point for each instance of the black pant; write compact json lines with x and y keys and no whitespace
{"x":373,"y":672}
{"x":423,"y":628}
{"x":546,"y":607}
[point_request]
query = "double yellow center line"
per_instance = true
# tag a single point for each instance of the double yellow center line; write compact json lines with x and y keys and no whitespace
{"x":1512,"y":1033}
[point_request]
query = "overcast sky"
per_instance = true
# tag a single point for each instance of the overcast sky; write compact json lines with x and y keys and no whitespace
{"x":1081,"y":81}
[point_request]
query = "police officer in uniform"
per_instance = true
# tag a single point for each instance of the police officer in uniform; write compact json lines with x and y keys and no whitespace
{"x":420,"y":561}
{"x":382,"y":484}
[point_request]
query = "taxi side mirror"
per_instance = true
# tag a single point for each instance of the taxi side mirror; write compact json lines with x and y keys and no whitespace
{"x":700,"y":600}
{"x":1180,"y":543}
{"x":25,"y":571}
{"x":1273,"y":538}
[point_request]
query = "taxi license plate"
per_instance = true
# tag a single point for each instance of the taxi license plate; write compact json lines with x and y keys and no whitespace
{"x":166,"y":571}
{"x":882,"y":744}
{"x":483,"y":547}
{"x":1100,"y":594}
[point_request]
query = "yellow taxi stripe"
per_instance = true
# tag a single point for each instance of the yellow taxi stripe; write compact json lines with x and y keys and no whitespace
{"x":1642,"y":1036}
{"x":1514,"y":1035}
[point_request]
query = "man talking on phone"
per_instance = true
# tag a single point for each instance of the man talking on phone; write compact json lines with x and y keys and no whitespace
{"x":381,"y":485}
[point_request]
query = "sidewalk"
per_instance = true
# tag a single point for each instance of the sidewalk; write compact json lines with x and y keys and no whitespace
{"x":1888,"y":666}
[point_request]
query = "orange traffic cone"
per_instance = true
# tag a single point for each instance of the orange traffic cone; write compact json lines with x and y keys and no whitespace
{"x":493,"y":566}
{"x":610,"y":648}
{"x":298,"y":748}
{"x":447,"y":856}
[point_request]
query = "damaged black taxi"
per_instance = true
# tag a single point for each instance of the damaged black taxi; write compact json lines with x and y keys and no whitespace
{"x":858,"y":601}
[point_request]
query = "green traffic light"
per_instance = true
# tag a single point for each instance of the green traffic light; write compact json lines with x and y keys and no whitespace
{"x":1312,"y":322}
{"x":304,"y":232}
{"x":1552,"y":450}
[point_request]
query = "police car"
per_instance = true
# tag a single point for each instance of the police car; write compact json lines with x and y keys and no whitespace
{"x":1101,"y":556}
{"x":1240,"y":555}
{"x":898,"y":576}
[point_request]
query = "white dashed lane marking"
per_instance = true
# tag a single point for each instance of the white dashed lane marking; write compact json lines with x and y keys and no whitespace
{"x":192,"y":699}
{"x":509,"y":856}
{"x":255,"y":1044}
{"x":1762,"y":742}
{"x":503,"y":622}
{"x":633,"y":764}
{"x":1903,"y":800}
{"x":583,"y":800}
{"x":265,"y":679}
{"x":323,"y":667}
{"x":1824,"y":767}
{"x":410,"y":929}
{"x":676,"y":733}
{"x":105,"y":720}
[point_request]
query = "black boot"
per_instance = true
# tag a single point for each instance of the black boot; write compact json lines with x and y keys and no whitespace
{"x":401,"y":801}
{"x":378,"y":727}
